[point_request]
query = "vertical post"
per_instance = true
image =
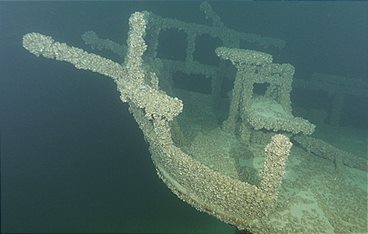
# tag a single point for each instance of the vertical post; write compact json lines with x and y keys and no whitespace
{"x":191,"y":37}
{"x":277,"y":153}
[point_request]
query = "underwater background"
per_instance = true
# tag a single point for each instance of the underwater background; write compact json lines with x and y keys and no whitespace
{"x":72,"y":157}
